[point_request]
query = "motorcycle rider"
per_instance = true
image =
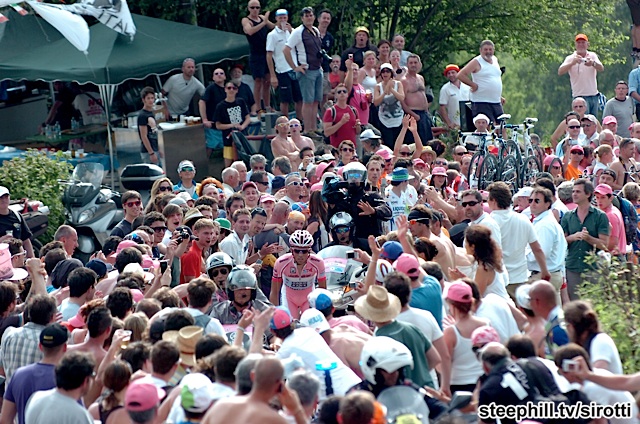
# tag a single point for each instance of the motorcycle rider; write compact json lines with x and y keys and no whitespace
{"x":368,"y":208}
{"x":242,"y":290}
{"x":343,"y":231}
{"x":383,"y":362}
{"x":219,"y":266}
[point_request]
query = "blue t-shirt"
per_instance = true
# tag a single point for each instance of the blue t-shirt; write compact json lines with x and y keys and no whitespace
{"x":428,"y":297}
{"x":26,"y":381}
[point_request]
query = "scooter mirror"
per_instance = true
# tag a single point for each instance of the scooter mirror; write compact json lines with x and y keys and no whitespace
{"x":460,"y":400}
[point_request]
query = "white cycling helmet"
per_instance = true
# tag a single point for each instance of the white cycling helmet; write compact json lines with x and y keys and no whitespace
{"x":301,"y":238}
{"x":383,"y":353}
{"x":383,"y":267}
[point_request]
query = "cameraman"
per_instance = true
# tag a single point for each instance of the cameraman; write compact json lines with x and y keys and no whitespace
{"x":368,"y":209}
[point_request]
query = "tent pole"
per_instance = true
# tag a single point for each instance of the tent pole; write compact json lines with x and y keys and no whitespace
{"x":106,"y":92}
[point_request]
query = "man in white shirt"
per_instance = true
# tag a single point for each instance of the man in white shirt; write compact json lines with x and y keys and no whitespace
{"x":282,"y":72}
{"x":74,"y":377}
{"x":181,"y":88}
{"x":471,"y":202}
{"x":550,"y":237}
{"x":517,"y":232}
{"x":451,"y":94}
{"x":236,"y":244}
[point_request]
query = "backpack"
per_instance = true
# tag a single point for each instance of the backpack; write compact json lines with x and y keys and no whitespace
{"x":629,"y":217}
{"x":353,"y":109}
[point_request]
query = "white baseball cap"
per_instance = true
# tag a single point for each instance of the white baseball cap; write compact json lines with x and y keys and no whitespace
{"x":313,"y":318}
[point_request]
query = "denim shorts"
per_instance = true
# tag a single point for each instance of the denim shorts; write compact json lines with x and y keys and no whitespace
{"x":311,"y":85}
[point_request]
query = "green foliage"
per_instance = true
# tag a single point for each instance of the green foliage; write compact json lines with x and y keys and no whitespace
{"x":35,"y":176}
{"x":616,"y":299}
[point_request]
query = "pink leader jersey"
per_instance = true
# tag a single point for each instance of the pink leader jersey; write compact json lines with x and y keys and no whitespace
{"x":298,"y":286}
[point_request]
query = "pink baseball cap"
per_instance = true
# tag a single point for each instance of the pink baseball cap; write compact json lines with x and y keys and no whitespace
{"x":142,"y":395}
{"x":577,"y":148}
{"x":439,"y":170}
{"x":609,"y":120}
{"x":386,"y":154}
{"x":123,"y":245}
{"x":407,"y":264}
{"x":603,"y":189}
{"x":483,"y":335}
{"x":322,"y":167}
{"x":459,"y":292}
{"x":267,"y":198}
{"x":76,"y":321}
{"x":281,"y":319}
{"x":418,"y":162}
{"x":249,"y":184}
{"x":548,"y":159}
{"x":316,"y":187}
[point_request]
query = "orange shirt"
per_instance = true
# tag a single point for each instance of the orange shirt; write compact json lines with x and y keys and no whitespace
{"x":572,"y":173}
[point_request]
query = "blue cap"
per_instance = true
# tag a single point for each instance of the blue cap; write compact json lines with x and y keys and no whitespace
{"x":98,"y":266}
{"x":391,"y":250}
{"x":277,"y":183}
{"x":320,"y":299}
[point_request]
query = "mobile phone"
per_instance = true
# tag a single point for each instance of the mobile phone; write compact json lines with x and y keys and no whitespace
{"x":569,"y":365}
{"x":163,"y":265}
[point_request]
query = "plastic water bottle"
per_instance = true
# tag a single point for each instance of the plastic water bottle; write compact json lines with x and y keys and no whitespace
{"x":56,"y":130}
{"x":74,"y":124}
{"x":48,"y":132}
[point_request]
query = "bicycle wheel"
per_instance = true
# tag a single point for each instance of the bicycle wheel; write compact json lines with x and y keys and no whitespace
{"x":488,"y":172}
{"x":473,"y":175}
{"x":529,"y":171}
{"x":510,"y":147}
{"x":538,"y":152}
{"x":510,"y":172}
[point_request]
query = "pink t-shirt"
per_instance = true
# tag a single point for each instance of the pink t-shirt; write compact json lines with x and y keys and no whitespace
{"x":617,"y":227}
{"x":583,"y":77}
{"x":345,"y":132}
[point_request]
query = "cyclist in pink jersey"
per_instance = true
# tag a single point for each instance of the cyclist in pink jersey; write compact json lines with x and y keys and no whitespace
{"x":299,"y":272}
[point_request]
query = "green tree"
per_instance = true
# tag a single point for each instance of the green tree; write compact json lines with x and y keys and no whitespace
{"x":35,"y":176}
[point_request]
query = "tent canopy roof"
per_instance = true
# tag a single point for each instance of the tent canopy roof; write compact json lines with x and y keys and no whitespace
{"x":158,"y":48}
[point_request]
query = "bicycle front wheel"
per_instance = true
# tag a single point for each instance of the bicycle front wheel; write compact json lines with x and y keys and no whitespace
{"x":509,"y":172}
{"x":488,"y":172}
{"x":473,"y":175}
{"x":529,"y":171}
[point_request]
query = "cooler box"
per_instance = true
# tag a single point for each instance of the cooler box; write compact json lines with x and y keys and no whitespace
{"x":140,"y":176}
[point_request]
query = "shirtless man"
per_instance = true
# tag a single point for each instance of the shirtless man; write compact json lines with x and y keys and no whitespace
{"x":282,"y":145}
{"x":268,"y":381}
{"x":419,"y":219}
{"x":415,"y":99}
{"x":301,"y":141}
{"x":625,"y":166}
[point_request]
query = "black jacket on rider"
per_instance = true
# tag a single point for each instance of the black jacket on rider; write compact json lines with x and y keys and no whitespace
{"x":366,"y":225}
